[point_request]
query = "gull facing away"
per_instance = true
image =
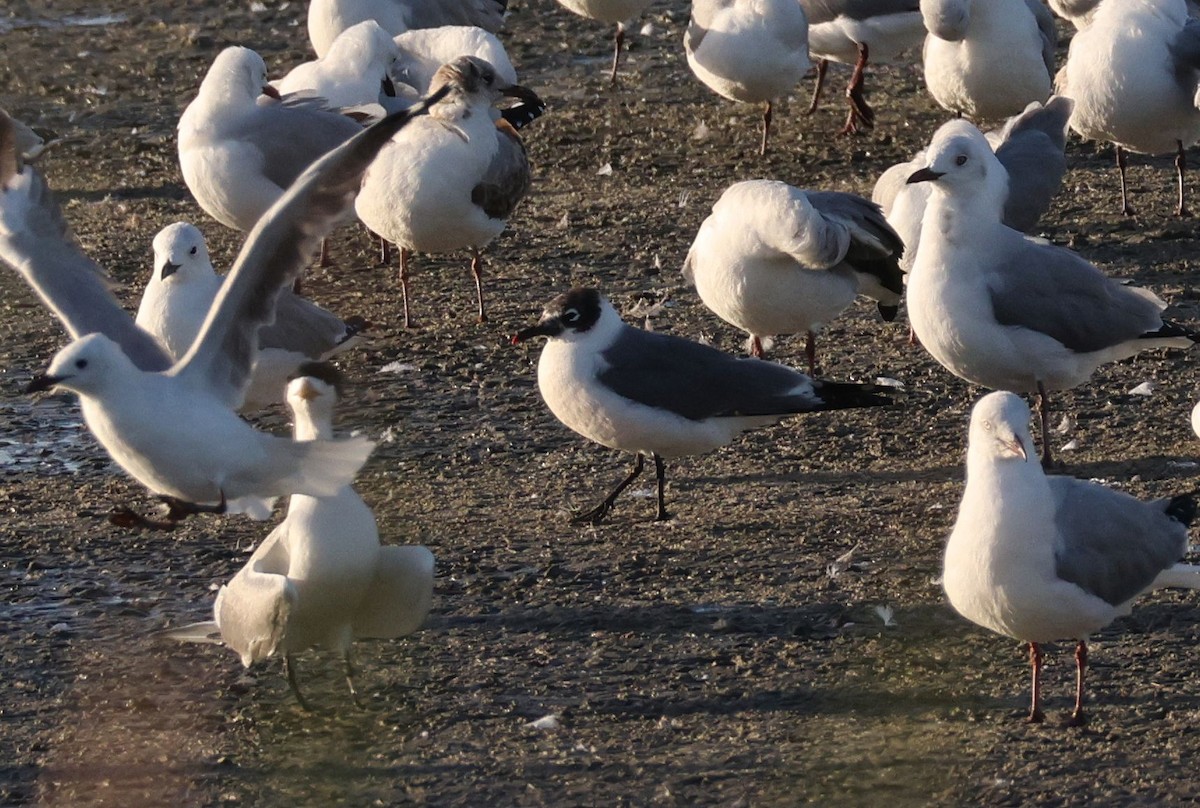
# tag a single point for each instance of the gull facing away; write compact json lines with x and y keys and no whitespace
{"x":773,"y":259}
{"x":613,"y":12}
{"x":853,"y":31}
{"x":1006,"y":312}
{"x":658,"y":395}
{"x":172,"y":425}
{"x":321,"y":577}
{"x":424,"y":50}
{"x":238,"y":157}
{"x":328,"y":18}
{"x":181,"y":291}
{"x":451,"y":180}
{"x":987,"y":59}
{"x":1040,"y":558}
{"x":1080,"y":12}
{"x":750,"y":51}
{"x":1135,"y":76}
{"x":356,"y":70}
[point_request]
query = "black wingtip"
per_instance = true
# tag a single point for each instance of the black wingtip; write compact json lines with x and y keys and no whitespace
{"x":324,"y":371}
{"x":521,"y":115}
{"x":1182,"y":509}
{"x":1172,"y":329}
{"x":888,"y":313}
{"x":848,"y":395}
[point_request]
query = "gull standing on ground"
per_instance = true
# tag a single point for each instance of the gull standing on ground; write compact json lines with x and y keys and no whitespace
{"x":451,"y":180}
{"x":1134,"y":76}
{"x":173,"y":426}
{"x":772,"y":259}
{"x":661,"y":396}
{"x":181,"y":291}
{"x":987,"y":59}
{"x":1031,"y":147}
{"x":1040,"y":558}
{"x":750,"y":51}
{"x":321,"y":577}
{"x":356,"y":70}
{"x":1007,"y":312}
{"x":613,"y":12}
{"x":238,"y":157}
{"x":328,"y":18}
{"x":853,"y":31}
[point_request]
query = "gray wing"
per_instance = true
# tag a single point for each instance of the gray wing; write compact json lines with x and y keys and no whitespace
{"x":1109,"y":543}
{"x":34,"y":241}
{"x":252,"y":610}
{"x":486,"y":14}
{"x":291,"y":138}
{"x":1185,"y":52}
{"x":1053,"y":291}
{"x":507,"y":179}
{"x":699,"y":382}
{"x":1046,"y":27}
{"x":819,"y":11}
{"x":275,"y":253}
{"x":303,"y":327}
{"x":875,"y":249}
{"x":1033,"y":154}
{"x":398,"y":599}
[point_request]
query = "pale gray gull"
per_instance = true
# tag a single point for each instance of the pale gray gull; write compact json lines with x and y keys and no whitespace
{"x":328,"y":18}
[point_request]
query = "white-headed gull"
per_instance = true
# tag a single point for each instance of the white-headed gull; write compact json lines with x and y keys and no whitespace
{"x":182,"y":289}
{"x":173,"y":425}
{"x":658,"y":395}
{"x":854,"y":31}
{"x":451,"y":180}
{"x":328,"y":18}
{"x":321,"y":577}
{"x":613,"y":12}
{"x":1007,"y":312}
{"x":751,"y":51}
{"x":988,"y":59}
{"x":1040,"y":558}
{"x":773,"y":259}
{"x":238,"y":157}
{"x":356,"y":70}
{"x":424,"y":50}
{"x":1134,"y":73}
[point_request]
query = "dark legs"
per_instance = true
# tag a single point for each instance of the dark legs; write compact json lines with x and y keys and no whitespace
{"x":618,"y":40}
{"x":1036,"y":716}
{"x":766,"y":118}
{"x":597,"y":514}
{"x":324,"y":261}
{"x":1077,"y":717}
{"x":1043,"y":410}
{"x":1121,"y":162}
{"x":477,"y":273}
{"x":810,"y":351}
{"x":660,"y":474}
{"x":177,"y":511}
{"x":822,"y":67}
{"x":290,"y":671}
{"x":1180,"y":165}
{"x":861,"y":116}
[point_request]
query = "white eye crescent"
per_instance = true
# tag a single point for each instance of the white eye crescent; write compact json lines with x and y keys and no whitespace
{"x":571,"y":315}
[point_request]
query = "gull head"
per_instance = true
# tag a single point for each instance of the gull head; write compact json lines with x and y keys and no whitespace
{"x":314,"y":391}
{"x":365,"y":47}
{"x":960,"y":161}
{"x":570,"y":316}
{"x":236,"y":75}
{"x":946,"y":19}
{"x":85,"y":366}
{"x":472,"y":78}
{"x":180,"y":254}
{"x":1000,"y":428}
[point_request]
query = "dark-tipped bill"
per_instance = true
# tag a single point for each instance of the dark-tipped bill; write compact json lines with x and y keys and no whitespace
{"x":42,"y":383}
{"x":546,"y":328}
{"x":924,"y":175}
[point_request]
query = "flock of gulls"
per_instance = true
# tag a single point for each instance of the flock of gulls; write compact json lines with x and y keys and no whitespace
{"x":409,"y":120}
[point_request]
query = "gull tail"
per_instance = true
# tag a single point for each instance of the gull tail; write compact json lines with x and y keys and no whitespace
{"x":321,"y":468}
{"x":847,"y":395}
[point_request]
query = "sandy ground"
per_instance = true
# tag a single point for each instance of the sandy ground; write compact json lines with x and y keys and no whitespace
{"x":736,"y":655}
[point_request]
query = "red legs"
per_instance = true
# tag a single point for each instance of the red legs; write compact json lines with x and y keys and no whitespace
{"x":861,"y":116}
{"x":404,"y":256}
{"x":1043,"y":410}
{"x":766,"y":118}
{"x":822,"y":67}
{"x":810,"y":351}
{"x":1121,"y":162}
{"x":1081,"y":656}
{"x":1180,"y":165}
{"x":477,"y":273}
{"x":596,"y":515}
{"x":660,"y":475}
{"x":618,"y":40}
{"x":1036,"y":716}
{"x":756,"y":347}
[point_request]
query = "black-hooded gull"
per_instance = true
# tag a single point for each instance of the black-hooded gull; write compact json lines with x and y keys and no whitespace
{"x":1041,"y":558}
{"x":661,"y":396}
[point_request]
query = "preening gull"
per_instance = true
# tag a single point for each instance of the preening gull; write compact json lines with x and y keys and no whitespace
{"x":988,"y":59}
{"x":853,"y":32}
{"x":182,"y":289}
{"x":773,"y":259}
{"x":751,"y":51}
{"x":1041,"y":558}
{"x":424,"y":50}
{"x":1007,"y":312}
{"x":321,"y":577}
{"x":328,"y":18}
{"x":451,"y":180}
{"x":173,"y":426}
{"x":658,"y":395}
{"x":356,"y":70}
{"x":1134,"y":73}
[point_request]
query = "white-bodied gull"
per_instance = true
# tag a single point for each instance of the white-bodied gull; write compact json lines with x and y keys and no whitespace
{"x":328,"y":18}
{"x":356,"y":70}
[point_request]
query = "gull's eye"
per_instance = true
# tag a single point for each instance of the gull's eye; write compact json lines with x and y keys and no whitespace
{"x":81,"y":363}
{"x":960,"y":160}
{"x":192,"y":251}
{"x":570,"y":316}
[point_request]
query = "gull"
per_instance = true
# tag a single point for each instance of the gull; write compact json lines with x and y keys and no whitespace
{"x":1080,"y":12}
{"x":172,"y":425}
{"x":988,"y":59}
{"x":238,"y":157}
{"x":450,"y":181}
{"x":1133,"y":75}
{"x":1040,"y":558}
{"x":853,"y":31}
{"x":424,"y":50}
{"x":613,"y":12}
{"x":1196,"y":420}
{"x":1007,"y":312}
{"x":661,"y":396}
{"x":750,"y":51}
{"x":356,"y":70}
{"x":773,"y":259}
{"x":1031,"y":147}
{"x":181,"y":291}
{"x":328,"y":18}
{"x":321,"y":577}
{"x":31,"y":146}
